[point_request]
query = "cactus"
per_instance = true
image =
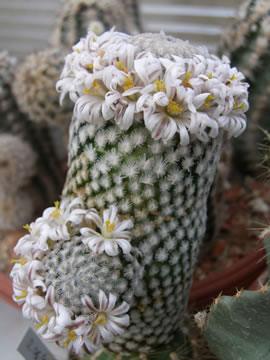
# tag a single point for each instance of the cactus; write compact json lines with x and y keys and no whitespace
{"x":246,"y":43}
{"x":78,"y":16}
{"x":216,"y":208}
{"x":132,"y":8}
{"x":238,"y":327}
{"x":26,"y":156}
{"x":112,"y":263}
{"x":34,"y":87}
{"x":35,"y":93}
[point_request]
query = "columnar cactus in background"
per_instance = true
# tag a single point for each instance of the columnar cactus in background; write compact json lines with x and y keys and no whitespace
{"x":17,"y":168}
{"x":76,"y":17}
{"x":34,"y":87}
{"x":111,"y":265}
{"x":27,"y":162}
{"x":132,"y":8}
{"x":246,"y":43}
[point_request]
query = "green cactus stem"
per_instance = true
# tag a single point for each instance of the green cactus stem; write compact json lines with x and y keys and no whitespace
{"x":238,"y":327}
{"x":115,"y":258}
{"x":247,"y":43}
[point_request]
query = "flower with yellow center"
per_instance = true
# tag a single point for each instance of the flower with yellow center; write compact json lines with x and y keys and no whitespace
{"x":56,"y":213}
{"x":185,"y":81}
{"x":112,"y":233}
{"x":160,"y":85}
{"x":57,"y":221}
{"x":236,"y":106}
{"x":44,"y":321}
{"x":22,"y":296}
{"x":121,"y":66}
{"x":173,"y":109}
{"x":108,"y":319}
{"x":208,"y":100}
{"x":22,"y":261}
{"x":71,"y":336}
{"x":129,"y":84}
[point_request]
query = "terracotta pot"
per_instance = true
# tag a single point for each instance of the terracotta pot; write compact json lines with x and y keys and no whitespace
{"x":260,"y":281}
{"x":241,"y":275}
{"x":6,"y":291}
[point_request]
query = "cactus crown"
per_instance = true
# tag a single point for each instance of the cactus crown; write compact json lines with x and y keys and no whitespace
{"x":124,"y":78}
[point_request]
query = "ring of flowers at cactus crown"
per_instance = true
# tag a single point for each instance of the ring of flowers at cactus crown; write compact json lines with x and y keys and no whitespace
{"x":108,"y":77}
{"x":102,"y":319}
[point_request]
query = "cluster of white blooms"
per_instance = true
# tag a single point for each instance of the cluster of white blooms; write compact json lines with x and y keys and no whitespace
{"x":107,"y":78}
{"x":54,"y":321}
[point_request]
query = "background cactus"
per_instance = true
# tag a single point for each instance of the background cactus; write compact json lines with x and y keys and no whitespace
{"x":35,"y":93}
{"x":238,"y":327}
{"x":76,"y":17}
{"x":28,"y":163}
{"x":114,"y":261}
{"x":34,"y":87}
{"x":246,"y":43}
{"x":133,"y":9}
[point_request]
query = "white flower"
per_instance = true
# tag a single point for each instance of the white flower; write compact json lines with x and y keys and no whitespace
{"x":108,"y":321}
{"x":113,"y":233}
{"x":59,"y":219}
{"x":110,"y":79}
{"x":27,"y":285}
{"x":33,"y":244}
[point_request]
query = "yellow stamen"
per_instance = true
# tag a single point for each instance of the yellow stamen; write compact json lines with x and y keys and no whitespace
{"x":237,"y":107}
{"x":44,"y":320}
{"x":71,"y":337}
{"x":109,"y":226}
{"x":22,"y":296}
{"x":96,"y":85}
{"x":78,"y":51}
{"x":121,"y":66}
{"x":208,"y":100}
{"x":21,"y":261}
{"x":49,"y":243}
{"x":27,"y":227}
{"x":185,"y":82}
{"x":96,"y":93}
{"x":90,"y":66}
{"x":128,"y":83}
{"x":210,"y":75}
{"x":56,"y":213}
{"x":101,"y":319}
{"x":228,"y":83}
{"x":174,"y":109}
{"x":160,"y":85}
